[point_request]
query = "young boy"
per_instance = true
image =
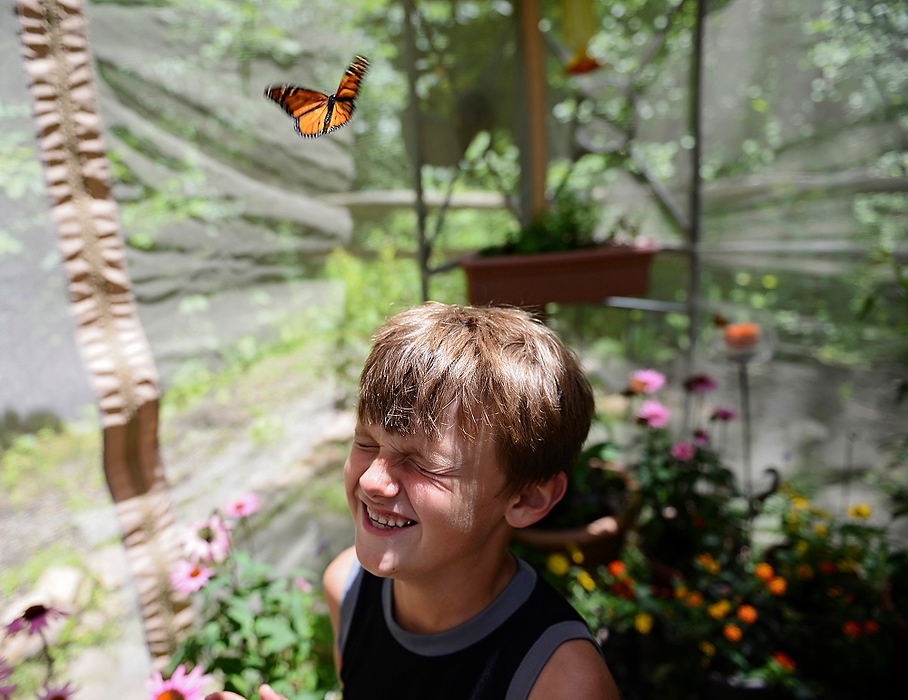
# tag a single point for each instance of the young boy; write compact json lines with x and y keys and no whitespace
{"x":467,"y":422}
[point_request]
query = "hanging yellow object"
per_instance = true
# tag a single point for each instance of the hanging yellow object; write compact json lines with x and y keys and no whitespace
{"x":578,"y":18}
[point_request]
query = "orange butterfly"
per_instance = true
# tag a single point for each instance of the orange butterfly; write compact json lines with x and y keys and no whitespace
{"x":315,"y":113}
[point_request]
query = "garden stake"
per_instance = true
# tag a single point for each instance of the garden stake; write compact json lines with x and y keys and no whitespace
{"x":745,"y":420}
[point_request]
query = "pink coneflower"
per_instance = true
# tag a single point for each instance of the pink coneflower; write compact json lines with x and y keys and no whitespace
{"x":35,"y":617}
{"x":700,"y":384}
{"x":208,"y":540}
{"x":683,"y":451}
{"x":5,"y":672}
{"x":654,"y":414}
{"x":244,"y":506}
{"x":701,"y":437}
{"x":646,"y":381}
{"x":188,"y":577}
{"x":723,"y":414}
{"x":180,"y":686}
{"x":54,"y":692}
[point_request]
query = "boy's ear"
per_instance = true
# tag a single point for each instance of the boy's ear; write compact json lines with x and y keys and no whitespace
{"x":532,"y":503}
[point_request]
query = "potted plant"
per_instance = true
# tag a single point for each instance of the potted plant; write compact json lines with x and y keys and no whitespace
{"x":562,"y":256}
{"x":592,"y":520}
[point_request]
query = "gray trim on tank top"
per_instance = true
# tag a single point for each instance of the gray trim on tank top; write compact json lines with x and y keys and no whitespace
{"x":348,"y":604}
{"x":526,"y":674}
{"x":476,"y":628}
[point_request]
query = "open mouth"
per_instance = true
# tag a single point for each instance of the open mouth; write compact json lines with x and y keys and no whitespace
{"x":385,"y":522}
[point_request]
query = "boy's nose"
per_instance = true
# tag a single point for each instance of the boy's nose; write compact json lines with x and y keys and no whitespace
{"x":377,"y":481}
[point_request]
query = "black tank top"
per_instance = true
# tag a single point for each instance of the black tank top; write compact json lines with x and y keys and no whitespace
{"x":496,"y":655}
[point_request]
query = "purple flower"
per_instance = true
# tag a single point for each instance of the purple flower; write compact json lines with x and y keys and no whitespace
{"x":55,"y":692}
{"x":683,"y":451}
{"x":646,"y":381}
{"x":35,"y":617}
{"x":723,"y":414}
{"x":5,"y":672}
{"x":700,"y":384}
{"x":701,"y":437}
{"x":654,"y":414}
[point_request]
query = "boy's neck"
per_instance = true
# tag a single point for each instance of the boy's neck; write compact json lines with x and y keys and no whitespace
{"x":440,"y":604}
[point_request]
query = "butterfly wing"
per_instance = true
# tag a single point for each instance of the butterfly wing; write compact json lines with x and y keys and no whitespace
{"x":315,"y":113}
{"x":308,"y":108}
{"x":344,"y":98}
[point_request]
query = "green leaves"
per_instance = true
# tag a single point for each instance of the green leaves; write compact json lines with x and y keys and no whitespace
{"x":258,"y":627}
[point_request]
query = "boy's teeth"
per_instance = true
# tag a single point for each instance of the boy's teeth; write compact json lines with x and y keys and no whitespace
{"x":382,"y":521}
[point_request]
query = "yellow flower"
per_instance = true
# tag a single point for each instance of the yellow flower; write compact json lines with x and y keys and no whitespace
{"x":821,"y":529}
{"x":719,"y":609}
{"x":558,"y":564}
{"x":707,"y":648}
{"x":707,"y":561}
{"x":576,"y":554}
{"x":799,"y":503}
{"x":861,"y":511}
{"x":847,"y":566}
{"x":802,"y":547}
{"x":586,"y":580}
{"x":643,"y":622}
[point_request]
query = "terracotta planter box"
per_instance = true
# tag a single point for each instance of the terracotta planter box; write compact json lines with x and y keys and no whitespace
{"x":575,"y":276}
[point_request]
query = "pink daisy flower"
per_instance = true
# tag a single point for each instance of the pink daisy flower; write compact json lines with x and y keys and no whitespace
{"x":700,"y":383}
{"x":35,"y":617}
{"x":188,"y":577}
{"x":208,"y":540}
{"x":180,"y":686}
{"x":654,"y":414}
{"x":683,"y":451}
{"x":244,"y":506}
{"x":646,"y":381}
{"x":53,"y":692}
{"x":724,"y":414}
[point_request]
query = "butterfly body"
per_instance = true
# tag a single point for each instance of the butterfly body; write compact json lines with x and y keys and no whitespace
{"x":315,"y":113}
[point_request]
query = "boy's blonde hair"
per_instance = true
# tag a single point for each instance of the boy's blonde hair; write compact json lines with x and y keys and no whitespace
{"x":503,"y":373}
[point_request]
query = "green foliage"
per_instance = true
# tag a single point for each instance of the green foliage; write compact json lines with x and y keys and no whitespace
{"x":53,"y":458}
{"x":256,"y":627}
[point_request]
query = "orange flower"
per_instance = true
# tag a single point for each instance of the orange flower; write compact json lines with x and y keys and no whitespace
{"x":852,"y":629}
{"x":617,"y":568}
{"x":777,"y":585}
{"x":748,"y":614}
{"x":871,"y":626}
{"x":708,"y":562}
{"x":694,"y":599}
{"x":763,"y":571}
{"x":732,"y":632}
{"x":784,"y":660}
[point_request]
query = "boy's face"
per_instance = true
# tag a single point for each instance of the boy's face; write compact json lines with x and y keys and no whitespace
{"x":425,"y":508}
